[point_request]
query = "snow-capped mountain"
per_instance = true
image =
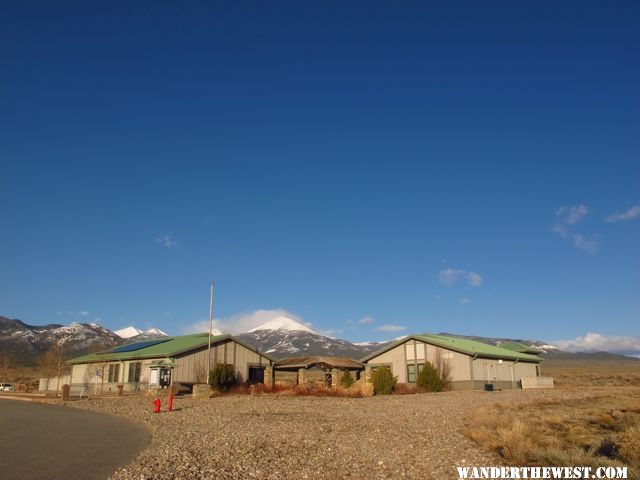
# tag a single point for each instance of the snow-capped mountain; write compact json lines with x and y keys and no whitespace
{"x":133,"y":333}
{"x":284,"y":324}
{"x":285,"y":337}
{"x":27,"y":342}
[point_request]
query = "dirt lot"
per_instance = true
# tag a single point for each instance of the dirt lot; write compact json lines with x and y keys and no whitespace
{"x":244,"y":436}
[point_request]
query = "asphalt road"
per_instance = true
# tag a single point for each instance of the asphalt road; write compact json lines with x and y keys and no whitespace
{"x":52,"y":442}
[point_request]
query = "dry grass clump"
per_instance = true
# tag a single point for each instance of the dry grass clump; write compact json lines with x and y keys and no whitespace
{"x":357,"y":390}
{"x":598,"y":430}
{"x":585,"y":374}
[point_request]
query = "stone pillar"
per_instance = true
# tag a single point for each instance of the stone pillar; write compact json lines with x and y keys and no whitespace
{"x":301,"y":377}
{"x":335,"y":378}
{"x":367,"y":374}
{"x":269,"y":377}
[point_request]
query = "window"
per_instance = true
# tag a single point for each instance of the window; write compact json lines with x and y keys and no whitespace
{"x":411,"y":373}
{"x":134,"y":371}
{"x":410,"y":350}
{"x":114,"y":373}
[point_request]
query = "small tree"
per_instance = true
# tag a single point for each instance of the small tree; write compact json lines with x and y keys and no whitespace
{"x":383,"y":381}
{"x":443,"y":368}
{"x":222,"y":377}
{"x":200,"y":370}
{"x":54,"y":362}
{"x":429,"y":379}
{"x":6,"y":363}
{"x":347,"y":380}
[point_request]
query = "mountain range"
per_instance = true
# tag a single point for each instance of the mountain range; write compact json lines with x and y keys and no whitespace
{"x":281,"y":337}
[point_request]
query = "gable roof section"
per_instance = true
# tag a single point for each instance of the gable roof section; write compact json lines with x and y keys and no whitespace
{"x":461,"y":345}
{"x":169,"y":348}
{"x":520,"y":347}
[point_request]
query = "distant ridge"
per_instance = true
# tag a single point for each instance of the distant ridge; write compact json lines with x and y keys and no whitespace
{"x":281,"y":337}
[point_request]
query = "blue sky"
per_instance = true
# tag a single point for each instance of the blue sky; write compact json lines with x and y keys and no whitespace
{"x":450,"y":166}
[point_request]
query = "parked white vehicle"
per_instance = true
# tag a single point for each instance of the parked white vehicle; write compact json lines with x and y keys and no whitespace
{"x":6,"y":387}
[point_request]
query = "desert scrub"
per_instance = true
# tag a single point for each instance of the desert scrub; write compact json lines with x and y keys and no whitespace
{"x":597,"y":430}
{"x":429,"y":380}
{"x":347,"y":380}
{"x":222,"y":377}
{"x":383,"y":381}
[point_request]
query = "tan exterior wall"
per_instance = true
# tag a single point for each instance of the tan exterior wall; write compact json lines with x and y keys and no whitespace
{"x":228,"y":352}
{"x":395,"y":359}
{"x":84,"y":379}
{"x":415,"y":352}
{"x":525,"y":370}
{"x":464,"y":372}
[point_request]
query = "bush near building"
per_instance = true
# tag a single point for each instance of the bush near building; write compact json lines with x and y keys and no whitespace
{"x":429,"y":380}
{"x":383,"y":381}
{"x":222,"y":377}
{"x":347,"y":380}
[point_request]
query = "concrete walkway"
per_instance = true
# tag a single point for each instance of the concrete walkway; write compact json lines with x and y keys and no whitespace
{"x":53,"y":442}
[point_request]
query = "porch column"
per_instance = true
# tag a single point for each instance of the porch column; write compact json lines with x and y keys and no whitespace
{"x":301,"y":376}
{"x":269,"y":377}
{"x":335,"y":378}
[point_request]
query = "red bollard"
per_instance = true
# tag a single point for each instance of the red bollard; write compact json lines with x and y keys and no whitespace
{"x":156,"y":403}
{"x":171,"y":402}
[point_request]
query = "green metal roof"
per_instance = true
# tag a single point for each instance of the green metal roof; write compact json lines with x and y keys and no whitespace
{"x":169,"y":348}
{"x":520,"y":347}
{"x":462,"y":345}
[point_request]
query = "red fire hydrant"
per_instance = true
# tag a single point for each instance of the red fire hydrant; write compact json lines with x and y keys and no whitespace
{"x":157,"y":402}
{"x":171,"y":402}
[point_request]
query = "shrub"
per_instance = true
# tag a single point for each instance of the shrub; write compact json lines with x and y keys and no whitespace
{"x":383,"y":381}
{"x":429,"y":380}
{"x":222,"y":377}
{"x":347,"y":380}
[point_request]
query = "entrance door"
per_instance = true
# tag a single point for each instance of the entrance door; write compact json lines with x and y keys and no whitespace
{"x":165,"y":377}
{"x":256,"y":375}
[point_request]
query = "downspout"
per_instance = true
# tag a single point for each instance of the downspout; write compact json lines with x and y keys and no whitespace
{"x":473,"y":380}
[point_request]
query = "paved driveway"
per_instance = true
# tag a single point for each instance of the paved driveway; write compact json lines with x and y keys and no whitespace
{"x":52,"y":442}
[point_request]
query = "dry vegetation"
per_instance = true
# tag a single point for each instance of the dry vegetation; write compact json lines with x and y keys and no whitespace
{"x":598,"y":427}
{"x":568,"y":375}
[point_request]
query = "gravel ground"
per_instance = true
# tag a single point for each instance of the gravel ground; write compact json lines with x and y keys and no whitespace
{"x":271,"y":437}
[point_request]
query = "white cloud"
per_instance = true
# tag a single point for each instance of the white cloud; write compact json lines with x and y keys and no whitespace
{"x":390,"y":328}
{"x":588,"y":244}
{"x":630,"y":214}
{"x":84,"y":313}
{"x":567,"y":217}
{"x":366,"y":320}
{"x":450,"y":276}
{"x":596,"y":342}
{"x":464,"y":301}
{"x":474,"y":279}
{"x":561,"y":230}
{"x":572,"y":215}
{"x":167,"y":240}
{"x":242,"y":322}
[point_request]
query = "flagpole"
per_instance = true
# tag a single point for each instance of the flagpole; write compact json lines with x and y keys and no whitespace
{"x":210,"y":328}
